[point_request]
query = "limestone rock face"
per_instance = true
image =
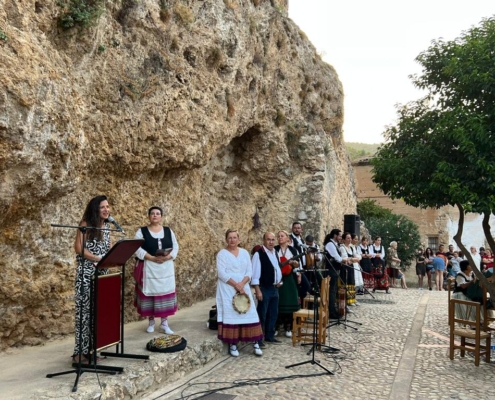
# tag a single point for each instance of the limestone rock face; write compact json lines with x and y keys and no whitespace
{"x":214,"y":110}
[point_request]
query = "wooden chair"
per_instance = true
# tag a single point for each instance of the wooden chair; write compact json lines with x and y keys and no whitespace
{"x":450,"y":289}
{"x":470,"y":339}
{"x":302,"y":320}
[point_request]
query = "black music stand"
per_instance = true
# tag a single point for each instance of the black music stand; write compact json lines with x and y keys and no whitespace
{"x":315,"y":342}
{"x":339,"y":279}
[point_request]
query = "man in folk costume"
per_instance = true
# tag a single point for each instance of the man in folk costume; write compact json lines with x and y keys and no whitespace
{"x":333,"y":263}
{"x":296,"y":235}
{"x":266,"y":279}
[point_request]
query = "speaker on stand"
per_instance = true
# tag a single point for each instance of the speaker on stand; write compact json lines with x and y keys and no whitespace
{"x":352,"y":224}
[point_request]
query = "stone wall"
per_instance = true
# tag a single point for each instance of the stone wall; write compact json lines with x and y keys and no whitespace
{"x":213,"y":110}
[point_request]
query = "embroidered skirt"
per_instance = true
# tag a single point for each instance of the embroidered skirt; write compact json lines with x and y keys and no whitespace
{"x":152,"y":306}
{"x":232,"y":334}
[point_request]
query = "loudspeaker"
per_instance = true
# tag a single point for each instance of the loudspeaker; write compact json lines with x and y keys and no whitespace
{"x":352,"y":223}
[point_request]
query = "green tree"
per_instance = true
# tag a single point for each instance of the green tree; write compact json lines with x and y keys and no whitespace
{"x":441,"y":151}
{"x":370,"y":209}
{"x":399,"y":228}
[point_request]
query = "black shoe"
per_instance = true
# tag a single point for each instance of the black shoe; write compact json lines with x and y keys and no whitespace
{"x":334,"y":316}
{"x":273,"y":341}
{"x":261,"y":344}
{"x":430,"y":289}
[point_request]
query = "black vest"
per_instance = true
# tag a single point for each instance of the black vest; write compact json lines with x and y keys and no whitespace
{"x":267,"y":277}
{"x":329,"y":259}
{"x":151,"y":244}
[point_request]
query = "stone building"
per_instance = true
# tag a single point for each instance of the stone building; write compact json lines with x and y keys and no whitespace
{"x":436,"y":226}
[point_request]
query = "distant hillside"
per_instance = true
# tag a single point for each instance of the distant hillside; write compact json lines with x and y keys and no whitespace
{"x":358,"y":150}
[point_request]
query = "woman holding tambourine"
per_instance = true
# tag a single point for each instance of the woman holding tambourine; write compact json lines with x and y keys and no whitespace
{"x":237,"y":318}
{"x":288,"y":293}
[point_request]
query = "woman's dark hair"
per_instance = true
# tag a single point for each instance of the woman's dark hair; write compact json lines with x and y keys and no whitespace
{"x":376,"y":238}
{"x":155,"y":208}
{"x":327,"y":239}
{"x":92,"y":217}
{"x":464,"y":264}
{"x":353,"y":236}
{"x":345,"y":234}
{"x":428,"y":251}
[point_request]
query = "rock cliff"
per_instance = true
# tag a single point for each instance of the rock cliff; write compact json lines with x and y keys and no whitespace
{"x":215,"y":110}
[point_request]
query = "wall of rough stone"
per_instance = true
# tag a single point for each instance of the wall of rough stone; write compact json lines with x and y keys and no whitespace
{"x":213,"y":110}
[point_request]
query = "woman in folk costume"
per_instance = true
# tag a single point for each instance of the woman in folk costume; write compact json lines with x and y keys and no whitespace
{"x":378,"y":262}
{"x":234,"y":275}
{"x":366,"y":267}
{"x":288,"y":293}
{"x":358,"y":275}
{"x":154,"y":272}
{"x":347,"y":270}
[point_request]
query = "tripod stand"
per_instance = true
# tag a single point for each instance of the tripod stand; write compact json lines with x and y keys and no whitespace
{"x":344,"y":285}
{"x":320,"y":307}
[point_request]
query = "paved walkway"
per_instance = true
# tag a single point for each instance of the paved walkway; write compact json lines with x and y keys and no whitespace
{"x":399,"y":352}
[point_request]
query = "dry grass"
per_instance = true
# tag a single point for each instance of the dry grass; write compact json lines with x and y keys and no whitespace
{"x":214,"y":58}
{"x":230,"y":106}
{"x":280,"y":118}
{"x":232,"y":4}
{"x":184,"y":14}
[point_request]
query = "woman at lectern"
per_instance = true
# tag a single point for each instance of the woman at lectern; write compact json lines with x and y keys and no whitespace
{"x":154,"y":272}
{"x":97,"y":244}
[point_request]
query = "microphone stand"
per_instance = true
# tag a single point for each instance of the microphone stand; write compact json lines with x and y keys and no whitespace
{"x":79,"y":368}
{"x":346,"y":321}
{"x":314,"y":343}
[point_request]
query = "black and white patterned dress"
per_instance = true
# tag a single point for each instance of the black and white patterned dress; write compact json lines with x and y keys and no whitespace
{"x":82,"y":289}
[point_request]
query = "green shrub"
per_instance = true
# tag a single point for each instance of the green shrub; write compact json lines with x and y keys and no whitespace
{"x":3,"y":35}
{"x":79,"y":12}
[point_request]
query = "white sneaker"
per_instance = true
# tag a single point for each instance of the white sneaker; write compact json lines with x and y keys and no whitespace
{"x":151,"y":326}
{"x":166,"y":329}
{"x":357,"y":304}
{"x":256,"y":350}
{"x":234,"y":352}
{"x":276,"y":333}
{"x":288,"y":334}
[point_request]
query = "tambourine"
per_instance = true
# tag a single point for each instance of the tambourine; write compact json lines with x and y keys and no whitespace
{"x":241,"y":303}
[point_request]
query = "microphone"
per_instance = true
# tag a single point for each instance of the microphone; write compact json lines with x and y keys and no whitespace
{"x":309,"y":248}
{"x":116,"y":224}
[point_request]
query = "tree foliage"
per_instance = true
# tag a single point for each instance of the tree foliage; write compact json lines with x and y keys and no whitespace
{"x":442,"y":150}
{"x":390,"y":227}
{"x":370,"y":209}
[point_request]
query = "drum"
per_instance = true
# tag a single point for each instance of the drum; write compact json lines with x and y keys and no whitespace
{"x":241,"y":303}
{"x":310,"y":260}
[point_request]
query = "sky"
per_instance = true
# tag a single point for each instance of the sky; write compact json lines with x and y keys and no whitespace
{"x":373,"y":46}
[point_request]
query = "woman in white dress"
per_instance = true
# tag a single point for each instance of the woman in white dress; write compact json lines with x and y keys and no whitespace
{"x":234,"y":275}
{"x":358,"y":275}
